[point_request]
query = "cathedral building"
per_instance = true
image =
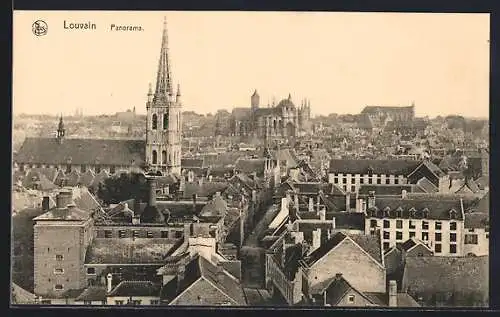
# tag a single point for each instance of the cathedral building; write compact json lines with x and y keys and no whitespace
{"x":160,"y":152}
{"x":276,"y":121}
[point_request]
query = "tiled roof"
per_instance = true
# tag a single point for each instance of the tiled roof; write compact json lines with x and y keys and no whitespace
{"x":192,"y":162}
{"x":87,"y":178}
{"x":39,"y":180}
{"x":376,"y":109}
{"x":483,"y":205}
{"x":249,"y":166}
{"x":92,"y":293}
{"x":405,"y":300}
{"x":241,"y":114}
{"x":437,"y":208}
{"x":433,"y":274}
{"x":369,"y":243}
{"x":427,"y":185}
{"x":348,"y":220}
{"x":136,"y":288}
{"x":383,"y":190}
{"x":82,"y":151}
{"x":216,"y":207}
{"x":50,"y":173}
{"x":86,"y":201}
{"x":129,"y":251}
{"x":386,"y":167}
{"x":476,"y":220}
{"x":204,"y":190}
{"x":483,"y":182}
{"x":66,"y":214}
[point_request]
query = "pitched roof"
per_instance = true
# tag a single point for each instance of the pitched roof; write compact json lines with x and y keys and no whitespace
{"x":86,"y":201}
{"x":370,"y":244}
{"x":427,"y":185}
{"x":135,"y":288}
{"x":129,"y":251}
{"x":92,"y":293}
{"x":87,"y":178}
{"x":376,"y":109}
{"x":432,"y":274}
{"x":249,"y":166}
{"x":437,"y":207}
{"x":82,"y":151}
{"x":241,"y":114}
{"x":476,"y":220}
{"x":71,"y":213}
{"x":206,"y":189}
{"x":39,"y":180}
{"x":385,"y":167}
{"x":192,"y":163}
{"x":216,"y":207}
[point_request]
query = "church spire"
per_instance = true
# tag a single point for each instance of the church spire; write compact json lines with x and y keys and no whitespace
{"x":164,"y":76}
{"x":60,"y":130}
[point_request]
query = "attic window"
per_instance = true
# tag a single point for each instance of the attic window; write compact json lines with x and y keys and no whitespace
{"x":387,"y":210}
{"x":351,"y":298}
{"x":425,"y":212}
{"x":399,"y":212}
{"x":412,"y":212}
{"x":453,"y":214}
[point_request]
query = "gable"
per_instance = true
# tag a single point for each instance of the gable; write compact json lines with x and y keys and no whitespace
{"x":423,"y":171}
{"x":351,"y":298}
{"x":202,"y":293}
{"x":419,"y":250}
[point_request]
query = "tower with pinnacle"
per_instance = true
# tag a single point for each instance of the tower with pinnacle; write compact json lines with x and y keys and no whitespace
{"x":164,"y":118}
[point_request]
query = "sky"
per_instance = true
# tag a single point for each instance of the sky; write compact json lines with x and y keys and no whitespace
{"x":341,"y":62}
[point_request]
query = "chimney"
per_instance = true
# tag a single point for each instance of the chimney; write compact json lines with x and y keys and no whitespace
{"x":200,"y":181}
{"x":45,"y":203}
{"x":254,"y":196}
{"x":322,"y":214}
{"x":220,"y":271}
{"x":152,"y":192}
{"x":288,"y":197}
{"x":194,"y":201}
{"x":109,"y":284}
{"x":403,"y":194}
{"x":311,"y":204}
{"x":348,"y":201}
{"x":317,"y":203}
{"x":371,"y":199}
{"x":393,"y":293}
{"x":217,"y":194}
{"x":296,"y":202}
{"x":63,"y":199}
{"x":181,"y":270}
{"x":316,"y":239}
{"x":210,"y":178}
{"x":338,"y":275}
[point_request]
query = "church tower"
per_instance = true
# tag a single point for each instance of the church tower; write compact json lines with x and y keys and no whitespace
{"x":164,"y":122}
{"x":60,"y":130}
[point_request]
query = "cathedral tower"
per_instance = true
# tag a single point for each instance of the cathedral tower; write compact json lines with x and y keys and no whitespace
{"x":164,"y":122}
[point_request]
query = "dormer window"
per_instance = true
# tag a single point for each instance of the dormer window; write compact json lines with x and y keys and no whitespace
{"x":387,"y":211}
{"x":412,"y":212}
{"x":399,"y":212}
{"x":425,"y":213}
{"x":453,"y":214}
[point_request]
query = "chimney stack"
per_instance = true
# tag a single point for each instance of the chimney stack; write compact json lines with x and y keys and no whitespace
{"x":316,"y":239}
{"x":322,"y":214}
{"x":45,"y":203}
{"x":109,"y":284}
{"x":348,"y":201}
{"x":393,"y":293}
{"x":152,"y":192}
{"x":195,"y":197}
{"x":371,"y":199}
{"x":311,"y":204}
{"x":63,"y":199}
{"x":296,"y":202}
{"x":403,"y":194}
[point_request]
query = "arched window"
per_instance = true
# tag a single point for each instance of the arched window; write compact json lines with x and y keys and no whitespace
{"x":164,"y":157}
{"x":165,"y":121}
{"x":154,"y":121}
{"x":274,"y":124}
{"x":155,"y":157}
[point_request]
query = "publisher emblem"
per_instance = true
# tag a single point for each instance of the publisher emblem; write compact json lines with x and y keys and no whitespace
{"x":39,"y":28}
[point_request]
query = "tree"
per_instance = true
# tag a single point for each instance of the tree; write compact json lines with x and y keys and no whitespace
{"x":126,"y":186}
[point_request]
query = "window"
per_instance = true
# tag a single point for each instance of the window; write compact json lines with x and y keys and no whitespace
{"x":387,"y":224}
{"x":344,"y":180}
{"x":48,"y":249}
{"x":453,"y":226}
{"x":387,"y":181}
{"x":112,"y":169}
{"x":453,"y":248}
{"x":361,"y":180}
{"x":118,"y":302}
{"x":412,"y":224}
{"x":165,"y":121}
{"x":164,"y":234}
{"x":425,"y":225}
{"x":453,"y":237}
{"x":379,"y":181}
{"x":154,"y":121}
{"x":91,"y":270}
{"x":135,"y":234}
{"x":108,"y":234}
{"x":353,"y":189}
{"x":121,"y":234}
{"x":369,"y":181}
{"x":46,"y":302}
{"x":155,"y":302}
{"x":412,"y":234}
{"x":399,"y":235}
{"x":135,"y":302}
{"x":353,"y":180}
{"x":58,"y":271}
{"x":437,"y":225}
{"x":149,"y":234}
{"x":487,"y":236}
{"x":470,"y":239}
{"x":58,"y":287}
{"x":97,"y":169}
{"x":373,"y":223}
{"x":437,"y":248}
{"x":68,"y":168}
{"x":155,"y":157}
{"x":437,"y":236}
{"x":471,"y":230}
{"x":420,"y":254}
{"x":87,"y":302}
{"x":178,"y":234}
{"x":21,"y":167}
{"x":387,"y":235}
{"x":425,"y":236}
{"x":351,"y":298}
{"x":396,"y":181}
{"x":399,"y":224}
{"x":83,"y":168}
{"x":59,"y":257}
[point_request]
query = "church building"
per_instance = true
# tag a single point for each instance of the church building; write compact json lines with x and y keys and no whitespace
{"x":160,"y":152}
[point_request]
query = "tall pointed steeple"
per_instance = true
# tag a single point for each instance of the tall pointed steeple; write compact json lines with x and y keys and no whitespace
{"x":164,"y":76}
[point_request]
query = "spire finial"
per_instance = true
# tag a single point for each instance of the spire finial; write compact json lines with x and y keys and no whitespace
{"x":289,"y":96}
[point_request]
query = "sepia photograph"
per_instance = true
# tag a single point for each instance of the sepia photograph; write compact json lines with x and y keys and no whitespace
{"x":250,"y":159}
